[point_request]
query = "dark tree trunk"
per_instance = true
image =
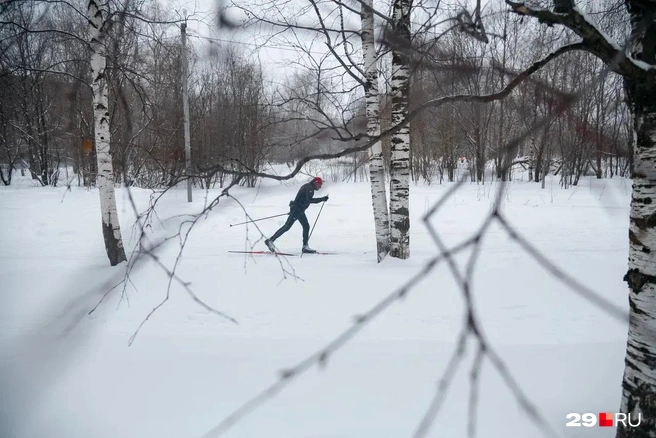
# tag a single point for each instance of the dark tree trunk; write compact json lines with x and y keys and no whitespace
{"x":562,"y":6}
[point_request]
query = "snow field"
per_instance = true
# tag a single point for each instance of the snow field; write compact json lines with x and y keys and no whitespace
{"x":65,"y":373}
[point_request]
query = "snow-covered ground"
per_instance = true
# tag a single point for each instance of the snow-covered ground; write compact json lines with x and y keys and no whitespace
{"x":65,"y":373}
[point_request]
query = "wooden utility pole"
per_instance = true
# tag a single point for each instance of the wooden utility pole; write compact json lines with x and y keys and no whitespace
{"x":185,"y":105}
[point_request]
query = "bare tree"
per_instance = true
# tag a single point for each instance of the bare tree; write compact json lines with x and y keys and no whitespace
{"x":376,"y":162}
{"x":98,"y":27}
{"x":637,"y":65}
{"x":400,"y":141}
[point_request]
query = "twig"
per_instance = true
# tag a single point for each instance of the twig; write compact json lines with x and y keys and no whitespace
{"x":561,"y":275}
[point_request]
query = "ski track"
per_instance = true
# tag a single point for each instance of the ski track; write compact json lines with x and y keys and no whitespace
{"x":65,"y":373}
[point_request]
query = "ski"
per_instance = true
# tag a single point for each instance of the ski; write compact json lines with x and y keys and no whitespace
{"x":284,"y":253}
{"x":263,"y":253}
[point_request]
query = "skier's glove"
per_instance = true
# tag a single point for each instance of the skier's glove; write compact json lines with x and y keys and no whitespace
{"x":325,"y":198}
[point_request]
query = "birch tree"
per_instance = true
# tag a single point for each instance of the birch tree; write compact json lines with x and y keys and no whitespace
{"x":376,"y":163}
{"x":400,"y":141}
{"x":98,"y":27}
{"x":637,"y":65}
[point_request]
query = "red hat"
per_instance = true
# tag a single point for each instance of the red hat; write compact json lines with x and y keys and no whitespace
{"x":318,"y":180}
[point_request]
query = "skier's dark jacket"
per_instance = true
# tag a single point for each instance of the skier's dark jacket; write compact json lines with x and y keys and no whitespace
{"x":304,"y":198}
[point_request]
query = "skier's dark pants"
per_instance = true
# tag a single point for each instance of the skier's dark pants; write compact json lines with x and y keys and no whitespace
{"x":293,"y":216}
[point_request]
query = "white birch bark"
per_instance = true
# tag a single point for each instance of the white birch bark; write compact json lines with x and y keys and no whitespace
{"x":400,"y":141}
{"x":639,"y":382}
{"x":105,"y":180}
{"x":376,"y":165}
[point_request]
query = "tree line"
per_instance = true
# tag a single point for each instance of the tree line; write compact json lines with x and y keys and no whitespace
{"x":240,"y":119}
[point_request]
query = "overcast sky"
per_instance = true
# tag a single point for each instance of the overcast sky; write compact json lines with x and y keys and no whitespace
{"x":277,"y":58}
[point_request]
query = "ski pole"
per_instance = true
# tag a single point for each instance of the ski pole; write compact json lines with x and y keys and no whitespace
{"x":261,"y":219}
{"x":315,"y":221}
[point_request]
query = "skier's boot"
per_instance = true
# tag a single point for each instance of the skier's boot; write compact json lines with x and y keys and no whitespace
{"x":269,"y":245}
{"x":307,"y":250}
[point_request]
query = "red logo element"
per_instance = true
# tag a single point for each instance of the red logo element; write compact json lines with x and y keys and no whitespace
{"x":605,"y":419}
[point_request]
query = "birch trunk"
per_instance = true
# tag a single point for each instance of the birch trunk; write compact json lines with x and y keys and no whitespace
{"x":400,"y":159}
{"x":105,"y":177}
{"x":639,"y":383}
{"x":376,"y":165}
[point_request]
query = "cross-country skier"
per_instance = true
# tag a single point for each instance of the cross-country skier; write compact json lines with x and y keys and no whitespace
{"x":297,"y":208}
